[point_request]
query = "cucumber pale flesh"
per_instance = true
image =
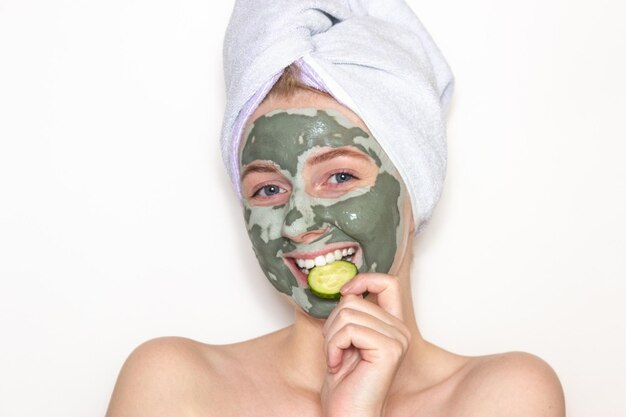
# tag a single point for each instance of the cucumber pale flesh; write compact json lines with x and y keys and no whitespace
{"x":326,"y":281}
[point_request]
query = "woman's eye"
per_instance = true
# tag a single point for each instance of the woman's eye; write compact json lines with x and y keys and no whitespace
{"x":340,"y":177}
{"x":268,"y":191}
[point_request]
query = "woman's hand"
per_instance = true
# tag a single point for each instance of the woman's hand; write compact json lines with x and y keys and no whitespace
{"x":365,"y":343}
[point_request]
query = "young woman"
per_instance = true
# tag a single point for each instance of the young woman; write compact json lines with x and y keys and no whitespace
{"x":317,"y":188}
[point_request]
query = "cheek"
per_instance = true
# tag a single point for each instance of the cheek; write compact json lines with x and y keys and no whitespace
{"x":266,"y":222}
{"x":371,"y":219}
{"x":264,"y":226}
{"x":366,"y":213}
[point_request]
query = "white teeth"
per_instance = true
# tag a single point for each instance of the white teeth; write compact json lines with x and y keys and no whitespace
{"x":322,"y":260}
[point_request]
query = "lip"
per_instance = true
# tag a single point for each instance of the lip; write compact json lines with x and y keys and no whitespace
{"x":290,"y":258}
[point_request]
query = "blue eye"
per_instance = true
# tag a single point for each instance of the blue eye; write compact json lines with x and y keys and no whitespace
{"x":268,"y":191}
{"x":341,"y":177}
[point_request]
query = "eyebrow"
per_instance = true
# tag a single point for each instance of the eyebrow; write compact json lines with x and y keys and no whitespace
{"x":262,"y":168}
{"x":336,"y":153}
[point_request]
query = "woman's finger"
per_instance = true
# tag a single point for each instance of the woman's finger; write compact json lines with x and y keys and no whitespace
{"x":386,"y":287}
{"x":348,"y":316}
{"x":372,"y":345}
{"x":357,"y":302}
{"x":351,"y":303}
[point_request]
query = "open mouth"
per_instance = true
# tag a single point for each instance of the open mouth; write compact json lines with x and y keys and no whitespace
{"x":301,"y":263}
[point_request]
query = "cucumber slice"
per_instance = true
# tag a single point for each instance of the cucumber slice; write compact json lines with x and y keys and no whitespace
{"x":326,"y":281}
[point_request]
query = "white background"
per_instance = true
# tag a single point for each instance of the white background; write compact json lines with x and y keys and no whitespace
{"x":118,"y":224}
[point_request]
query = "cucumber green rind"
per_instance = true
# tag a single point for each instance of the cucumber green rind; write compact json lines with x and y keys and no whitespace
{"x":326,"y":281}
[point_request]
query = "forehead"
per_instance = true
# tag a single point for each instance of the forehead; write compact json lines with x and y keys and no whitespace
{"x":282,"y":135}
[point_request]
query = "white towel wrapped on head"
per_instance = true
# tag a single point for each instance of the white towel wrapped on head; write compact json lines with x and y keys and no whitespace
{"x":373,"y":56}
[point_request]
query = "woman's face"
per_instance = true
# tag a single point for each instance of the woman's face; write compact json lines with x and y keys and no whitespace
{"x":318,"y":188}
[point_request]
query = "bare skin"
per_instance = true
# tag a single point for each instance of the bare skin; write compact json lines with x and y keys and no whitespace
{"x":367,"y":359}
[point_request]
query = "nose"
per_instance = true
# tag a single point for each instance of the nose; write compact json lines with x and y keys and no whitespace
{"x":300,"y":229}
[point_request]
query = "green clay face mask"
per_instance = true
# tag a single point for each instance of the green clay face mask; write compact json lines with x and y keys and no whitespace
{"x":362,"y":224}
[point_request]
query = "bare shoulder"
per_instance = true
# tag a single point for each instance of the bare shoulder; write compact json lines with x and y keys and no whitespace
{"x":167,"y":376}
{"x":512,"y":384}
{"x":177,"y":376}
